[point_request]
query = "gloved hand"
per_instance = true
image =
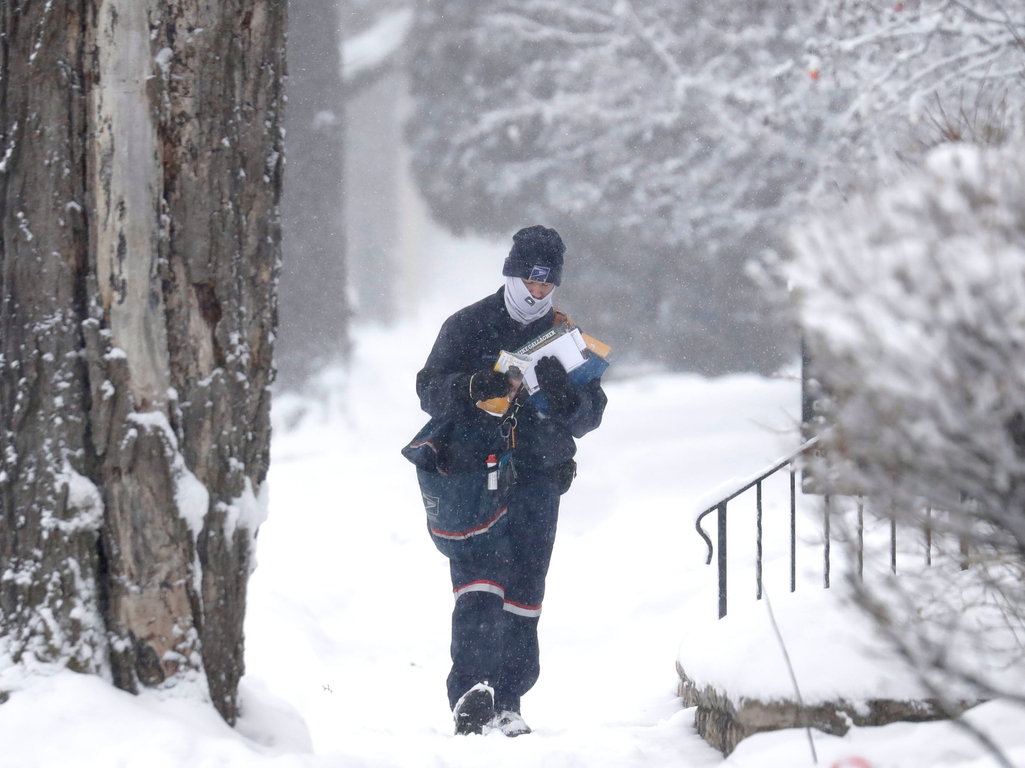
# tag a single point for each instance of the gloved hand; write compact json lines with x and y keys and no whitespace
{"x":562,"y":396}
{"x":488,"y":383}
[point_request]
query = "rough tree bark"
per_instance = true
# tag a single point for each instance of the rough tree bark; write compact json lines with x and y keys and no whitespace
{"x":140,"y":175}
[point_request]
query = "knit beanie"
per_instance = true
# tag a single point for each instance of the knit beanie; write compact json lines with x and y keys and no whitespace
{"x":536,"y":255}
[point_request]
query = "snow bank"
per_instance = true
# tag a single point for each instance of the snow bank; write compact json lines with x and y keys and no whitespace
{"x":834,"y":650}
{"x":68,"y":720}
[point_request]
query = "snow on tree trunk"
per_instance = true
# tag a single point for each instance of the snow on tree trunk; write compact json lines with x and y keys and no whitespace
{"x":139,"y":181}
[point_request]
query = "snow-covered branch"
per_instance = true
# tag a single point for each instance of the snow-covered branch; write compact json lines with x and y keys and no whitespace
{"x":896,"y":58}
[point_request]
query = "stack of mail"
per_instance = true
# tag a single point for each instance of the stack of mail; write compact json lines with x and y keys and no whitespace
{"x":583,"y":357}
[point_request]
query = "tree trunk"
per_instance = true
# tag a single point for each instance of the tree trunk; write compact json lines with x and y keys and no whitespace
{"x":139,"y":182}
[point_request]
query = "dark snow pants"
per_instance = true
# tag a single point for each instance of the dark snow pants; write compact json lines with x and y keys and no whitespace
{"x":498,"y":592}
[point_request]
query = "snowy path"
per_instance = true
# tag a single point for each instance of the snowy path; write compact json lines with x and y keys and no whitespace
{"x":349,"y":608}
{"x":348,"y":611}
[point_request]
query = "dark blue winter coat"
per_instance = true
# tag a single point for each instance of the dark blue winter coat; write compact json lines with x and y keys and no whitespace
{"x":471,"y":340}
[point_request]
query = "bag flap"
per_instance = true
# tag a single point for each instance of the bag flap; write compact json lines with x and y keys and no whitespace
{"x":425,"y":450}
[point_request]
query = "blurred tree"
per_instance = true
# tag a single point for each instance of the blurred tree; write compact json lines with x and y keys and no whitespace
{"x":140,"y":176}
{"x":313,"y":302}
{"x":668,"y":140}
{"x":376,"y":216}
{"x":375,"y":31}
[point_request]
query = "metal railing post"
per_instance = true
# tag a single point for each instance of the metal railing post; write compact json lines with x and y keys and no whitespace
{"x":893,"y":543}
{"x":793,"y":528}
{"x":758,"y":546}
{"x":928,"y":535}
{"x":722,"y":559}
{"x":720,"y":507}
{"x":861,"y":538}
{"x":826,"y":516}
{"x":791,"y":462}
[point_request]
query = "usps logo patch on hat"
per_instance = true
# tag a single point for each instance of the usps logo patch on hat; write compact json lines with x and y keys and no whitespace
{"x":539,"y":274}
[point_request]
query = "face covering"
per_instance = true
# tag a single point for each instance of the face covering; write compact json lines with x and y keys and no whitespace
{"x":524,"y":308}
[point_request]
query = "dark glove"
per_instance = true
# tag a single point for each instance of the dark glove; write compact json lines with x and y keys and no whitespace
{"x":562,"y":396}
{"x":564,"y":474}
{"x":488,"y":383}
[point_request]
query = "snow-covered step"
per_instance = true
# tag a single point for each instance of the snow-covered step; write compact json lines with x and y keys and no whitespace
{"x":735,"y":670}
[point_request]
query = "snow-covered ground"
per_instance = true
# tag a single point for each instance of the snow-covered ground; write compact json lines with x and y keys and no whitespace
{"x":347,"y":628}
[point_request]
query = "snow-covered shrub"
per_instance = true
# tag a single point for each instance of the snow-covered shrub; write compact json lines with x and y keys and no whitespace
{"x":912,"y":300}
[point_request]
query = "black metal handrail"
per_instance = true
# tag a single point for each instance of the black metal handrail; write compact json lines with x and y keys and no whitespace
{"x":756,"y":483}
